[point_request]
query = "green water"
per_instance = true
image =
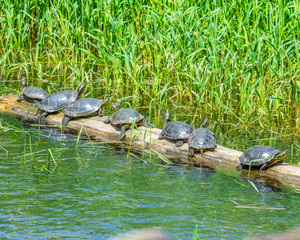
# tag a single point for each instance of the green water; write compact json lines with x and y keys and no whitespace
{"x":94,"y":192}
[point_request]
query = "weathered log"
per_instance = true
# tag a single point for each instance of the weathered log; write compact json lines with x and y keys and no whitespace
{"x":95,"y":127}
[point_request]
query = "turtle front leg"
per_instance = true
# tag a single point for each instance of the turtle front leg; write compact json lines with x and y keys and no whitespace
{"x":239,"y":167}
{"x":201,"y":153}
{"x":191,"y":152}
{"x":263,"y":168}
{"x":100,"y":114}
{"x":20,"y":98}
{"x":123,"y":129}
{"x":42,"y":117}
{"x":161,"y":136}
{"x":146,"y":124}
{"x":179,"y":143}
{"x":65,"y":121}
{"x":37,"y":112}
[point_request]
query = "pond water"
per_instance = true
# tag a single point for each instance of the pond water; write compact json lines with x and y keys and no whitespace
{"x":54,"y":186}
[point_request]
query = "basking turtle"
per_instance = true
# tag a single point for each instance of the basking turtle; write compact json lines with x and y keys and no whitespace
{"x":31,"y":94}
{"x":178,"y":131}
{"x":57,"y":101}
{"x":201,"y":139}
{"x":83,"y":108}
{"x":261,"y":156}
{"x":124,"y":119}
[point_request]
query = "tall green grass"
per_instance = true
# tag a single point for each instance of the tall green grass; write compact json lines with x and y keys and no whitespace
{"x":233,"y":60}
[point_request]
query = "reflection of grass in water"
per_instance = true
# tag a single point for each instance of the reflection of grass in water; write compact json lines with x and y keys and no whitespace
{"x":3,"y":129}
{"x":34,"y":149}
{"x":78,"y":136}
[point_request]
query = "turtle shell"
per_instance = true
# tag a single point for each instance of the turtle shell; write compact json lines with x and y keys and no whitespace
{"x":258,"y":155}
{"x":125,"y":116}
{"x":83,"y":107}
{"x":57,"y":101}
{"x":202,"y":138}
{"x":177,"y":130}
{"x":34,"y":93}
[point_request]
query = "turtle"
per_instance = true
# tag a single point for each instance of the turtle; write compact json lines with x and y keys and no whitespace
{"x":177,"y":130}
{"x":57,"y":101}
{"x":201,"y":139}
{"x":261,"y":156}
{"x":84,"y":107}
{"x":31,"y":94}
{"x":124,"y":118}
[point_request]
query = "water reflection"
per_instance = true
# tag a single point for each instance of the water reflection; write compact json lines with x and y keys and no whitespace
{"x":190,"y":172}
{"x":92,"y":191}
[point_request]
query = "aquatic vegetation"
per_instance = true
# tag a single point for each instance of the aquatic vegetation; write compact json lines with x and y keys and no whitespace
{"x":94,"y":181}
{"x":237,"y":60}
{"x":132,"y":136}
{"x":194,"y":237}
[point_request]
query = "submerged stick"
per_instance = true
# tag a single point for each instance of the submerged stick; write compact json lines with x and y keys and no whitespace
{"x":96,"y":129}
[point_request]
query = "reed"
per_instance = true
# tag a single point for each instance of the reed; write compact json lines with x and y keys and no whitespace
{"x":195,"y":233}
{"x":78,"y":137}
{"x":132,"y":137}
{"x":232,"y":60}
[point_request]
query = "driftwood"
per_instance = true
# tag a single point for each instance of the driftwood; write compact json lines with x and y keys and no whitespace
{"x":222,"y":157}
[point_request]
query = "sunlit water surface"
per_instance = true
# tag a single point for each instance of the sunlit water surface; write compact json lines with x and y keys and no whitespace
{"x":52,"y":189}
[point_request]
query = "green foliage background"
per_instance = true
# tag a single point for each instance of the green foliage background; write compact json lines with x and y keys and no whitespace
{"x":235,"y":60}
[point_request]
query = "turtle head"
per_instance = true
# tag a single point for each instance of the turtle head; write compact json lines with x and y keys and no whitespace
{"x":280,"y":156}
{"x":23,"y":80}
{"x":115,"y":106}
{"x":80,"y":88}
{"x":277,"y":158}
{"x":107,"y":99}
{"x":203,"y":123}
{"x":167,"y":116}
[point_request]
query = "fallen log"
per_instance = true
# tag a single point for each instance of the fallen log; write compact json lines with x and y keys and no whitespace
{"x":222,"y":157}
